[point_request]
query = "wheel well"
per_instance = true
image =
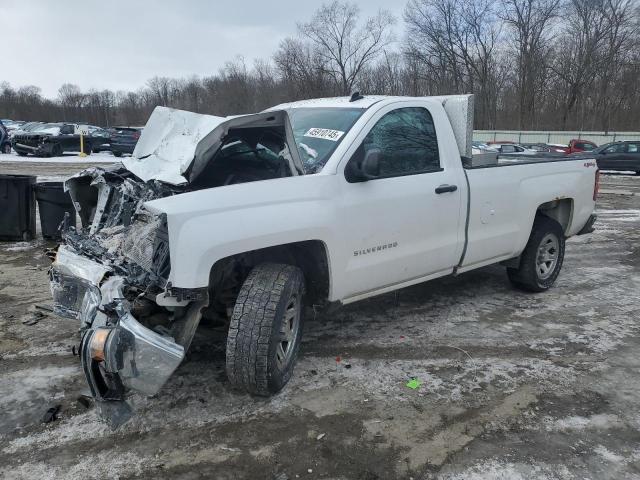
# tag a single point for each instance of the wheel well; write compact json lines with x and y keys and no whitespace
{"x":560,"y":210}
{"x":228,"y":274}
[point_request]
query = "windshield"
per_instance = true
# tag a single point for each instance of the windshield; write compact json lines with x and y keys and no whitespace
{"x":52,"y":128}
{"x":318,"y":131}
{"x":587,"y":147}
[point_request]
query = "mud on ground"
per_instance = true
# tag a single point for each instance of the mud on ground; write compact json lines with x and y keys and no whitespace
{"x":514,"y":385}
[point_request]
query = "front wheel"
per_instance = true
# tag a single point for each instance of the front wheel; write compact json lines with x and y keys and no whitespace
{"x":56,"y":150}
{"x":6,"y":148}
{"x":265,"y":330}
{"x":542,"y":258}
{"x":117,"y":154}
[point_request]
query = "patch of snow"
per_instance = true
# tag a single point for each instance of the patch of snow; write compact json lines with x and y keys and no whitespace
{"x":495,"y":470}
{"x":21,"y":246}
{"x":79,"y":427}
{"x":608,"y":455}
{"x":577,"y":423}
{"x":94,"y":158}
{"x":20,"y":385}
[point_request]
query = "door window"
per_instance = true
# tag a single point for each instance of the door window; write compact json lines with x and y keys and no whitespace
{"x":406,"y":139}
{"x":633,"y":147}
{"x":615,"y":148}
{"x":587,"y":147}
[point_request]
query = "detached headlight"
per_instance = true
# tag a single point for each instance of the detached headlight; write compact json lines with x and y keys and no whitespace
{"x":98,"y":342}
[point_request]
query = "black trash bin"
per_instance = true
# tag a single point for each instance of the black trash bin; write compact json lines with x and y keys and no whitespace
{"x":17,"y":208}
{"x":53,"y":203}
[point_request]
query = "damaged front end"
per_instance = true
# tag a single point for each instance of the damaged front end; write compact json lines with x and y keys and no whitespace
{"x":111,"y":276}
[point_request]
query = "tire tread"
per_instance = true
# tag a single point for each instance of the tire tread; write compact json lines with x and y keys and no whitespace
{"x":252,"y":325}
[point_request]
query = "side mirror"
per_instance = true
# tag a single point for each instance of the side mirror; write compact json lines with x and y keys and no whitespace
{"x":370,"y":167}
{"x":363,"y":165}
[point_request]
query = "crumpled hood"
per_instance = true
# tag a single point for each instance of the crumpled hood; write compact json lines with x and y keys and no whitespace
{"x":168,"y":143}
{"x":176,"y":145}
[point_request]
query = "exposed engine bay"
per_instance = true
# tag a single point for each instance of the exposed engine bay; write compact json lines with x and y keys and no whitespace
{"x":112,"y":273}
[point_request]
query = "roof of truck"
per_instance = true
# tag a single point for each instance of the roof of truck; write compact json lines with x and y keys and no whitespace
{"x":334,"y":102}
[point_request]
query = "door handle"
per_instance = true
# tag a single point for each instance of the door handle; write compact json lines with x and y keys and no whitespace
{"x":446,"y":188}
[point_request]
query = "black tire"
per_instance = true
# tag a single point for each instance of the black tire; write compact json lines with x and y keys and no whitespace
{"x":6,"y":148}
{"x":22,"y":153}
{"x":117,"y":154}
{"x":87,"y":148}
{"x":529,"y":276}
{"x":56,"y":150}
{"x":255,"y":343}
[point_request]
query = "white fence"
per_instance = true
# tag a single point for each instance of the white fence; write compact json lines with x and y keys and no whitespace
{"x":518,"y":136}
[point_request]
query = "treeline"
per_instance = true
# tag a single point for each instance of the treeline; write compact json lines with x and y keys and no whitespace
{"x":532,"y":64}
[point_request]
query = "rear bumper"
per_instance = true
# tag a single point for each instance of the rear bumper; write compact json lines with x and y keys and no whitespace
{"x":588,"y":227}
{"x":123,"y":147}
{"x":119,"y":355}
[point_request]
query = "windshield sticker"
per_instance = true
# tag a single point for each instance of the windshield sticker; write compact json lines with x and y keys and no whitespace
{"x":324,"y":133}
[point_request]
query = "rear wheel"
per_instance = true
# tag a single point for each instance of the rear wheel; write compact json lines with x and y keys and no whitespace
{"x":22,"y":153}
{"x":117,"y":154}
{"x":265,"y":330}
{"x":6,"y":148}
{"x":87,"y":148}
{"x":541,"y":260}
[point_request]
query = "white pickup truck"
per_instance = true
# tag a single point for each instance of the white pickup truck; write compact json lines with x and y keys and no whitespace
{"x":246,"y":220}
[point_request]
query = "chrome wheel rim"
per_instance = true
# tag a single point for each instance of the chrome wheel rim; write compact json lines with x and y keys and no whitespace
{"x":547,"y":257}
{"x":288,"y":332}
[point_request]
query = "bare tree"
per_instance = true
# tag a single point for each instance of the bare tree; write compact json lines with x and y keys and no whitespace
{"x":455,"y":41}
{"x":344,"y":47}
{"x":301,"y":69}
{"x":531,"y":63}
{"x":529,"y":22}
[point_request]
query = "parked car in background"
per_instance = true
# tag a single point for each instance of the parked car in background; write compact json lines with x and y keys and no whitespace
{"x":618,"y":156}
{"x":51,"y":140}
{"x":124,"y":139}
{"x":25,"y":128}
{"x":100,"y":139}
{"x":5,"y":142}
{"x":575,"y":146}
{"x":537,"y":147}
{"x":12,"y":125}
{"x":512,"y":149}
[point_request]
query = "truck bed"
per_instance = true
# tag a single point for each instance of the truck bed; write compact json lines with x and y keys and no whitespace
{"x":488,"y":160}
{"x":502,"y":202}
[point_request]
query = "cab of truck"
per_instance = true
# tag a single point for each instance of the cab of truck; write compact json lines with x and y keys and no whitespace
{"x":579,"y":145}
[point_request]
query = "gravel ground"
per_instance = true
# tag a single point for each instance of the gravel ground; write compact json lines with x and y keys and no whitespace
{"x":514,"y":385}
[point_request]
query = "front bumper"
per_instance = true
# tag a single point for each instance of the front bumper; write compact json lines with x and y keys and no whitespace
{"x":45,"y":148}
{"x":119,"y":355}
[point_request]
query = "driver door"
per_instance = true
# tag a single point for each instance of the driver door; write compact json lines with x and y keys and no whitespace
{"x":612,"y":157}
{"x":403,"y":224}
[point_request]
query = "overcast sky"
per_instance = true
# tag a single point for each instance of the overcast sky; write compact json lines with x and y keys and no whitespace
{"x":120,"y":44}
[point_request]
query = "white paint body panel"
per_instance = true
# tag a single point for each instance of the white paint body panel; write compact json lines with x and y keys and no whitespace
{"x":428,"y":229}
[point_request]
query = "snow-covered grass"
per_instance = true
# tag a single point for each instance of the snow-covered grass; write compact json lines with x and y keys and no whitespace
{"x":102,"y":157}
